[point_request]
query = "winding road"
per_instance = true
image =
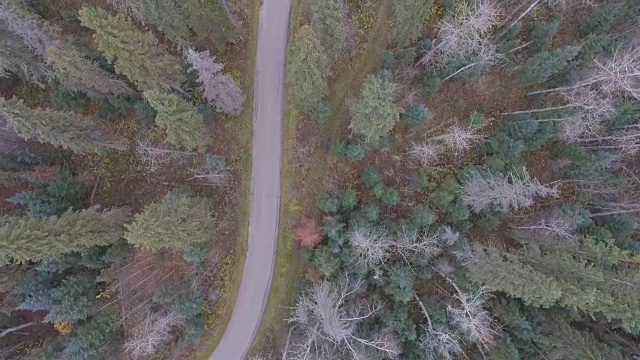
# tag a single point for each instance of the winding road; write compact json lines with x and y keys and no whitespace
{"x":265,"y":182}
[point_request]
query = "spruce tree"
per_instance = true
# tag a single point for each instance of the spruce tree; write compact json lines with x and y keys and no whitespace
{"x":328,"y":22}
{"x":374,"y":113}
{"x":67,"y":129}
{"x":93,"y":338}
{"x":34,"y":239}
{"x":179,"y":221}
{"x":183,"y":124}
{"x":408,"y":20}
{"x":135,"y":53}
{"x":210,"y":17}
{"x":76,"y":73}
{"x":308,"y":69}
{"x":544,"y":65}
{"x":169,"y":16}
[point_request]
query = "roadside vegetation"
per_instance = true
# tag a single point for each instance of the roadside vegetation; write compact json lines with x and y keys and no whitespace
{"x":463,"y":182}
{"x":124,"y":154}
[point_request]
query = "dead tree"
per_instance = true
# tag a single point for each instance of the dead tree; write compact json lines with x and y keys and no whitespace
{"x":475,"y":323}
{"x":485,"y":190}
{"x":326,"y":320}
{"x":458,"y":139}
{"x":155,"y":331}
{"x":154,"y":157}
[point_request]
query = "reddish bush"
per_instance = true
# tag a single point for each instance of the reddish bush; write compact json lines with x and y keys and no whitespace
{"x":308,"y":233}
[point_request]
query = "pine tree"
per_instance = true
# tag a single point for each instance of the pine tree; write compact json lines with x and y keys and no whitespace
{"x":169,"y":16}
{"x":92,"y":339}
{"x":179,"y":221}
{"x":219,"y":89}
{"x":544,"y":65}
{"x":328,"y":23}
{"x":210,"y":17}
{"x":409,"y":20}
{"x":374,"y":113}
{"x":183,"y":124}
{"x":308,"y":69}
{"x":67,"y":129}
{"x":34,"y":239}
{"x":135,"y":53}
{"x":76,"y":73}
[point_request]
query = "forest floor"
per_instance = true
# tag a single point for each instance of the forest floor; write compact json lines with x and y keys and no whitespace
{"x":307,"y":159}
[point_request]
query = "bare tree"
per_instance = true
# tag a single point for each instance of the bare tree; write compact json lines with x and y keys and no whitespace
{"x":34,"y":32}
{"x":155,"y":157}
{"x":619,"y":73}
{"x":484,"y":191}
{"x":219,"y":89}
{"x":557,"y":224}
{"x":155,"y":331}
{"x":209,"y":176}
{"x":438,"y":343}
{"x":458,"y":139}
{"x":465,"y":35}
{"x":475,"y":323}
{"x":326,"y":320}
{"x":373,"y":246}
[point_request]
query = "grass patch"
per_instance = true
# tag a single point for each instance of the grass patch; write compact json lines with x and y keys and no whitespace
{"x":232,"y":267}
{"x":288,"y":273}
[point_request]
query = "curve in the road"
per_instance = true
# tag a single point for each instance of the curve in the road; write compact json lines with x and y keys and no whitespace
{"x":265,"y":182}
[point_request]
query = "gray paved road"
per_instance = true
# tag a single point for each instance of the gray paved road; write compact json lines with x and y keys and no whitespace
{"x":265,"y":182}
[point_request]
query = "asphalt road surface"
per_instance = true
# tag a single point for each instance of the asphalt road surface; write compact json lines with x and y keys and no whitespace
{"x":265,"y":182}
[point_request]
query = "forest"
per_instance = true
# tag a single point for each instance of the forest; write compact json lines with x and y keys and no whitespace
{"x":123,"y":157}
{"x":461,"y":182}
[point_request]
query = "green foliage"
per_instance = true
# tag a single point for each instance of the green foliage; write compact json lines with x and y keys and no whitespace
{"x":476,"y":120}
{"x":328,"y":22}
{"x":541,"y":35}
{"x":388,"y":60}
{"x":414,"y":116}
{"x":210,"y":17}
{"x":408,"y":56}
{"x":136,"y":54}
{"x":399,"y":284}
{"x":509,"y":41}
{"x":349,"y":200}
{"x":321,"y":113}
{"x":76,"y":73}
{"x":599,"y":21}
{"x":52,"y":197}
{"x":370,"y":178}
{"x":325,"y":261}
{"x":430,"y":84}
{"x":193,"y":330}
{"x":423,"y":216}
{"x":390,"y":197}
{"x":168,"y":16}
{"x":90,"y":339}
{"x":308,"y":69}
{"x":69,"y":130}
{"x":25,"y":239}
{"x":329,"y":203}
{"x":542,"y":66}
{"x":183,"y":124}
{"x":408,"y":20}
{"x":197,"y":253}
{"x":374,"y":113}
{"x":356,"y":152}
{"x":179,"y":221}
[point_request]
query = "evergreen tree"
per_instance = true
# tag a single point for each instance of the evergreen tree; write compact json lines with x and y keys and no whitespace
{"x":135,"y":53}
{"x":210,"y":18}
{"x":374,"y":113}
{"x":52,"y":197}
{"x":408,"y":20}
{"x":179,"y":221}
{"x":33,"y":239}
{"x":308,"y":69}
{"x":544,"y":65}
{"x":76,"y":73}
{"x":328,"y":23}
{"x":92,"y":339}
{"x":169,"y":16}
{"x":541,"y":35}
{"x":183,"y":124}
{"x":67,"y":129}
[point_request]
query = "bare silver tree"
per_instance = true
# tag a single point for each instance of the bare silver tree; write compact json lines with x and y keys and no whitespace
{"x":219,"y":89}
{"x":326,"y":320}
{"x":155,"y":331}
{"x":475,"y":323}
{"x":427,"y":153}
{"x":438,"y":343}
{"x":465,"y":35}
{"x":485,"y":190}
{"x":556,"y":224}
{"x":154,"y":157}
{"x":35,"y":33}
{"x":457,"y":138}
